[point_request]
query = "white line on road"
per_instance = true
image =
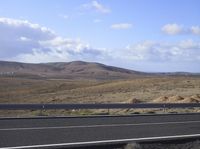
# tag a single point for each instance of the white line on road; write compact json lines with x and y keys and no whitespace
{"x":94,"y":126}
{"x":104,"y":141}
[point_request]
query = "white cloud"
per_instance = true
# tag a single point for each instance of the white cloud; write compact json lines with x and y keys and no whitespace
{"x":25,"y":23}
{"x":97,"y":20}
{"x":38,"y":56}
{"x":189,"y":44}
{"x":64,"y":44}
{"x":186,"y":50}
{"x":175,"y":29}
{"x":14,"y":33}
{"x":22,"y":40}
{"x":121,"y":26}
{"x":64,"y":16}
{"x":97,"y":7}
{"x":172,"y":29}
{"x":195,"y":30}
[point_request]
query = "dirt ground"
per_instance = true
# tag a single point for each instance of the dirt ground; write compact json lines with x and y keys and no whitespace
{"x":151,"y":89}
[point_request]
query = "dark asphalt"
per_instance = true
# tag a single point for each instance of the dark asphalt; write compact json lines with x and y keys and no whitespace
{"x":76,"y":131}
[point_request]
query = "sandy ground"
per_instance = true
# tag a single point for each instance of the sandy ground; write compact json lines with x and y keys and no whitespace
{"x":152,"y":89}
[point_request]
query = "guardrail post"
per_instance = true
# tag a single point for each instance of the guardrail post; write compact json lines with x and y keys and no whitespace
{"x":164,"y":108}
{"x":41,"y":110}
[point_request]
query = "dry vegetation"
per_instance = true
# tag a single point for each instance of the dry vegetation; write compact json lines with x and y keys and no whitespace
{"x":148,"y":89}
{"x":163,"y":89}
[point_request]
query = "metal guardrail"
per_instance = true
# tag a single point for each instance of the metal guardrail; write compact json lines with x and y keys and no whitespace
{"x":97,"y":106}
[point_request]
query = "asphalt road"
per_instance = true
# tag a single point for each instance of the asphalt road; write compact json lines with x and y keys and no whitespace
{"x":76,"y":131}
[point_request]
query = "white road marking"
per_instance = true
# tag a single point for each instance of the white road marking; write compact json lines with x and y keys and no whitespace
{"x":94,"y":126}
{"x":103,"y":141}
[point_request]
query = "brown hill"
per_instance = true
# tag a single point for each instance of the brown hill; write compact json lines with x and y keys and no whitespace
{"x":75,"y":70}
{"x":68,"y":70}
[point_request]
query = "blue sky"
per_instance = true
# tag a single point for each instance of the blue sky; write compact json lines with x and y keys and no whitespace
{"x":145,"y":35}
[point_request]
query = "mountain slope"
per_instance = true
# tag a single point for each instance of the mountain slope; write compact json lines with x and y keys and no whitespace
{"x":70,"y":70}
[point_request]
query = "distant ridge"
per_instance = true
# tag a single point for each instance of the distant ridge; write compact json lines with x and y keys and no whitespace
{"x":72,"y":70}
{"x":66,"y":70}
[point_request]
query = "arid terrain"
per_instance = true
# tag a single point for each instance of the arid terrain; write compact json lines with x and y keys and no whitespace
{"x":135,"y":88}
{"x":159,"y":89}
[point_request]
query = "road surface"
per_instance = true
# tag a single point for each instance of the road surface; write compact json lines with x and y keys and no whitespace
{"x":70,"y":132}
